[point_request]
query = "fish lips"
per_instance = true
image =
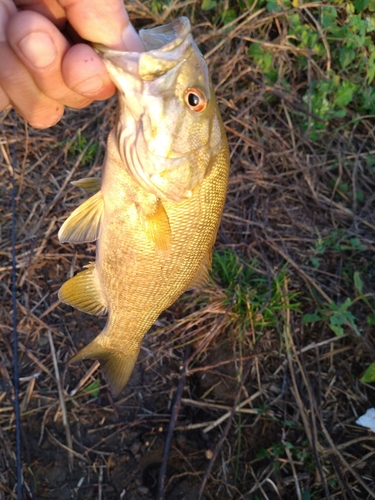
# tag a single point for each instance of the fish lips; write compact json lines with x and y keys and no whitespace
{"x":165,"y":46}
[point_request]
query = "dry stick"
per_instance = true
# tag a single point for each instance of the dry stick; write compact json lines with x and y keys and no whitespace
{"x":310,"y":430}
{"x":288,"y":99}
{"x":324,"y":429}
{"x":238,"y":408}
{"x":302,"y":273}
{"x":62,"y":403}
{"x":172,"y":423}
{"x":344,"y":461}
{"x":11,"y":166}
{"x":225,"y":432}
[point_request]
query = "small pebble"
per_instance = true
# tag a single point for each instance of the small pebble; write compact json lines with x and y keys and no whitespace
{"x":143,"y":490}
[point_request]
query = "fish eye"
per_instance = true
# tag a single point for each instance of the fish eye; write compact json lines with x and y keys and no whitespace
{"x":195,"y":99}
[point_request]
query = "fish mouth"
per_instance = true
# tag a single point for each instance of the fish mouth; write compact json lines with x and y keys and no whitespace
{"x":165,"y":48}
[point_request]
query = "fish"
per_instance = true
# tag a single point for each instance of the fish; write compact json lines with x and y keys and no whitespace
{"x":156,"y":210}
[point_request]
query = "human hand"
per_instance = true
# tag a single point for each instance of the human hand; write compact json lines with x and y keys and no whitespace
{"x":41,"y":71}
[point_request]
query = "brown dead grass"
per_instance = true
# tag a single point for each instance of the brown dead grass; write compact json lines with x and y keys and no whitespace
{"x":276,"y":410}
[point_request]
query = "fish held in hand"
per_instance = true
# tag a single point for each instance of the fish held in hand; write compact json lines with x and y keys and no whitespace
{"x":156,"y":211}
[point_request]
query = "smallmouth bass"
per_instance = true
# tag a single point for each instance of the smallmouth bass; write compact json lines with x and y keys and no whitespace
{"x":156,"y":211}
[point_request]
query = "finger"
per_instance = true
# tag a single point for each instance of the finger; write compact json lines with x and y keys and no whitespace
{"x":7,"y":10}
{"x":50,"y":9}
{"x":38,"y":109}
{"x":4,"y":100}
{"x":84,"y":72}
{"x":40,"y":46}
{"x":103,"y":22}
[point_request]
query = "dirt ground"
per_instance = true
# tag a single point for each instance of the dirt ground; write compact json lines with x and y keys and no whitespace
{"x":297,"y":383}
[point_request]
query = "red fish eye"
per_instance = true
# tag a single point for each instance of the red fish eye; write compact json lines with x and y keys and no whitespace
{"x":195,"y":99}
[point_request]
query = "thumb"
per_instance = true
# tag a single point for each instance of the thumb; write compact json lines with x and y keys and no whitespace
{"x":105,"y":22}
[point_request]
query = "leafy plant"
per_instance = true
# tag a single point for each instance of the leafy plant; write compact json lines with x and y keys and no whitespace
{"x":338,"y":315}
{"x":369,"y":375}
{"x":342,"y":33}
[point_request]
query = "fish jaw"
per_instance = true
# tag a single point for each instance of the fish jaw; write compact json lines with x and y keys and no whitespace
{"x":167,"y":147}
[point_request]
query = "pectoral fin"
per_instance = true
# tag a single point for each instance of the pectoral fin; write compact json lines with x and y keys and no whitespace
{"x":88,"y":184}
{"x":83,"y":224}
{"x":117,"y":366}
{"x":158,"y":229}
{"x":83,"y":292}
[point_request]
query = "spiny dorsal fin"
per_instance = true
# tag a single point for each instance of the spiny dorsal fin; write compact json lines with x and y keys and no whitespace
{"x":158,"y":229}
{"x":117,"y":366}
{"x":83,"y":224}
{"x":88,"y":184}
{"x":83,"y":292}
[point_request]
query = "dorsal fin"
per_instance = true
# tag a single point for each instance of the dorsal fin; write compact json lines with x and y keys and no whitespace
{"x":83,"y":292}
{"x":83,"y":224}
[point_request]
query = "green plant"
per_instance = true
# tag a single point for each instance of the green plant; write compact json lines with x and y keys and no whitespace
{"x":337,"y":315}
{"x":369,"y":375}
{"x":79,"y":145}
{"x":336,"y":39}
{"x":277,"y":453}
{"x":336,"y":241}
{"x":253,"y":298}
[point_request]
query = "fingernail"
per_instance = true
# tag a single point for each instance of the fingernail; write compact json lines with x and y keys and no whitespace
{"x":90,"y":86}
{"x":131,"y":39}
{"x":39,"y":49}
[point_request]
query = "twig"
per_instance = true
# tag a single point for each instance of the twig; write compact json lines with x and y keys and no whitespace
{"x":225,"y":432}
{"x":298,"y":268}
{"x":62,"y":403}
{"x":14,"y":306}
{"x":84,"y":379}
{"x":344,"y":461}
{"x":69,"y":450}
{"x":286,"y":98}
{"x":172,"y":423}
{"x":309,"y":424}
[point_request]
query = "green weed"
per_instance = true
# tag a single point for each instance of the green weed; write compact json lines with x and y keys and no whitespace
{"x":338,"y":242}
{"x":337,"y":315}
{"x":253,"y":298}
{"x":277,"y":453}
{"x":369,"y":375}
{"x":79,"y":145}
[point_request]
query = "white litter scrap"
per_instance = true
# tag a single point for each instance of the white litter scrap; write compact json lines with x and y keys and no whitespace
{"x":368,"y":419}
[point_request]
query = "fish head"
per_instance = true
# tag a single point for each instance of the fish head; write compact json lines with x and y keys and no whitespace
{"x":169,"y":129}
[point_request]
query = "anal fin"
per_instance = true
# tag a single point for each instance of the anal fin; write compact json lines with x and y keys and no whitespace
{"x":158,"y":229}
{"x":82,"y":292}
{"x":88,"y":184}
{"x":83,"y":224}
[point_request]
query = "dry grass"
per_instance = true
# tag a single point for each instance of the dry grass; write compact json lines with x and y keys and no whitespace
{"x":275,"y":406}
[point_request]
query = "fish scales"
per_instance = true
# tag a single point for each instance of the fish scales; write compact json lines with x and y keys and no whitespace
{"x":154,"y":237}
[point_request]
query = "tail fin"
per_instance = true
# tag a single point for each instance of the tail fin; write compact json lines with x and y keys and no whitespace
{"x":117,"y":366}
